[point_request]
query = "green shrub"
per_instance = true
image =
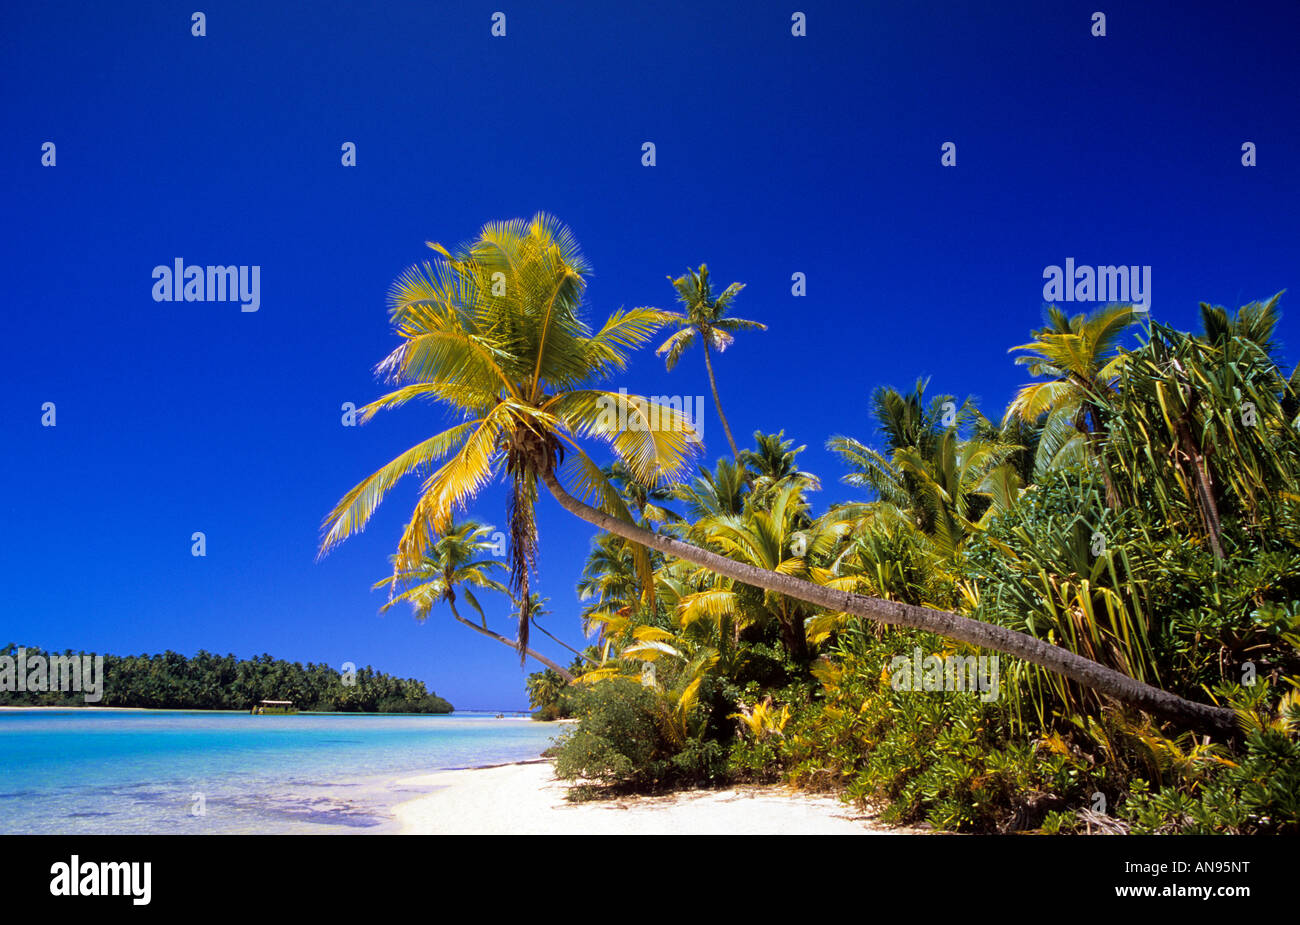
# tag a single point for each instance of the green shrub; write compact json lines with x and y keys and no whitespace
{"x":618,"y":744}
{"x":615,"y":741}
{"x":946,"y":758}
{"x":1256,"y":791}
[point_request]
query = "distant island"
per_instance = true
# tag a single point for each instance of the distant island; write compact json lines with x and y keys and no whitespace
{"x":172,"y":681}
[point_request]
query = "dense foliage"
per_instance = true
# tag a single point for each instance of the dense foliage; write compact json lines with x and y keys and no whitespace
{"x":222,"y":682}
{"x":1137,"y":505}
{"x":1130,"y":528}
{"x":551,"y":695}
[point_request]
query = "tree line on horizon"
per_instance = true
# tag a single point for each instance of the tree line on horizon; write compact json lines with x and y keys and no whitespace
{"x":1125,"y":538}
{"x":172,"y":681}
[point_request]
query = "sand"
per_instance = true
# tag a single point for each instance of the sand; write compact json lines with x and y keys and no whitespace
{"x":526,"y":799}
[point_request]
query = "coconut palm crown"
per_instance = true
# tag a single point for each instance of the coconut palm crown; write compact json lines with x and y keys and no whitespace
{"x":496,"y":332}
{"x":705,"y":318}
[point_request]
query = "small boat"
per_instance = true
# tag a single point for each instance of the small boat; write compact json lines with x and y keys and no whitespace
{"x":282,"y":707}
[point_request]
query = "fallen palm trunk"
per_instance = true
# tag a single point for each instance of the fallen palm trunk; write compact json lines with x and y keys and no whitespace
{"x":1186,"y":713}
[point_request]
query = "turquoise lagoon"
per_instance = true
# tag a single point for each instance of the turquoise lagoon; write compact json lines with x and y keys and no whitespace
{"x":161,"y":771}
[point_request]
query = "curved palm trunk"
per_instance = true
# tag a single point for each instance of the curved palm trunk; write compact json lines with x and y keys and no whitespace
{"x":713,"y":385}
{"x":559,"y":641}
{"x":986,"y":635}
{"x":510,"y":642}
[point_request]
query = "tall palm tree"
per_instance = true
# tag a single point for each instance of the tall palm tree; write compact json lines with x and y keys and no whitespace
{"x":496,"y":332}
{"x":513,"y":355}
{"x":458,"y":557}
{"x":705,"y":318}
{"x":1081,"y":358}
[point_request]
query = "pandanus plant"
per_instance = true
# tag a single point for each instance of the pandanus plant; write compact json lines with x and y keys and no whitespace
{"x":496,"y":332}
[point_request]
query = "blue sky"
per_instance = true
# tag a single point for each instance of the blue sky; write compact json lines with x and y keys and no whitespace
{"x":775,"y":154}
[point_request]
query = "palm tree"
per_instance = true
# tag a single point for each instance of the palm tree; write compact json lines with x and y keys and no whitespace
{"x":1255,"y":323}
{"x":455,"y":558}
{"x":928,"y":479}
{"x":769,"y":538}
{"x":914,"y":437}
{"x":705,"y":318}
{"x":645,"y":502}
{"x":1081,"y":357}
{"x":722,"y":490}
{"x":609,"y":576}
{"x":953,"y":487}
{"x":496,"y":333}
{"x":773,"y":463}
{"x":545,"y":687}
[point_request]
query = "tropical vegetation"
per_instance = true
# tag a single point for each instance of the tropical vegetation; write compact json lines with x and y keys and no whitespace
{"x":1121,"y":547}
{"x":205,"y":681}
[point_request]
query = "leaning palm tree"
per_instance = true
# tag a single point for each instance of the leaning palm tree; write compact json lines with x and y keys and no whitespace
{"x":705,"y":317}
{"x":458,"y":557}
{"x":496,"y":333}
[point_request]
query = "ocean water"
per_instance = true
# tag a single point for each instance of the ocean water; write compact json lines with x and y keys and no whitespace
{"x":90,"y":772}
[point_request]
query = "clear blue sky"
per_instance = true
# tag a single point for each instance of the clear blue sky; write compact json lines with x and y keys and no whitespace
{"x":775,"y":154}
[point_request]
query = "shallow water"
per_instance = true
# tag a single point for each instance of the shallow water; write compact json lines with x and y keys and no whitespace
{"x":86,"y":772}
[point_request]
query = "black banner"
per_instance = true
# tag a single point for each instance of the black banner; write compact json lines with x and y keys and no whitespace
{"x":338,"y":875}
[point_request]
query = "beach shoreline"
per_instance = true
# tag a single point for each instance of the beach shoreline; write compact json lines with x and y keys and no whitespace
{"x":525,"y":798}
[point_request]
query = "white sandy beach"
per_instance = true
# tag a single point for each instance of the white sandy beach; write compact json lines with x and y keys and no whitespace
{"x":526,"y":799}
